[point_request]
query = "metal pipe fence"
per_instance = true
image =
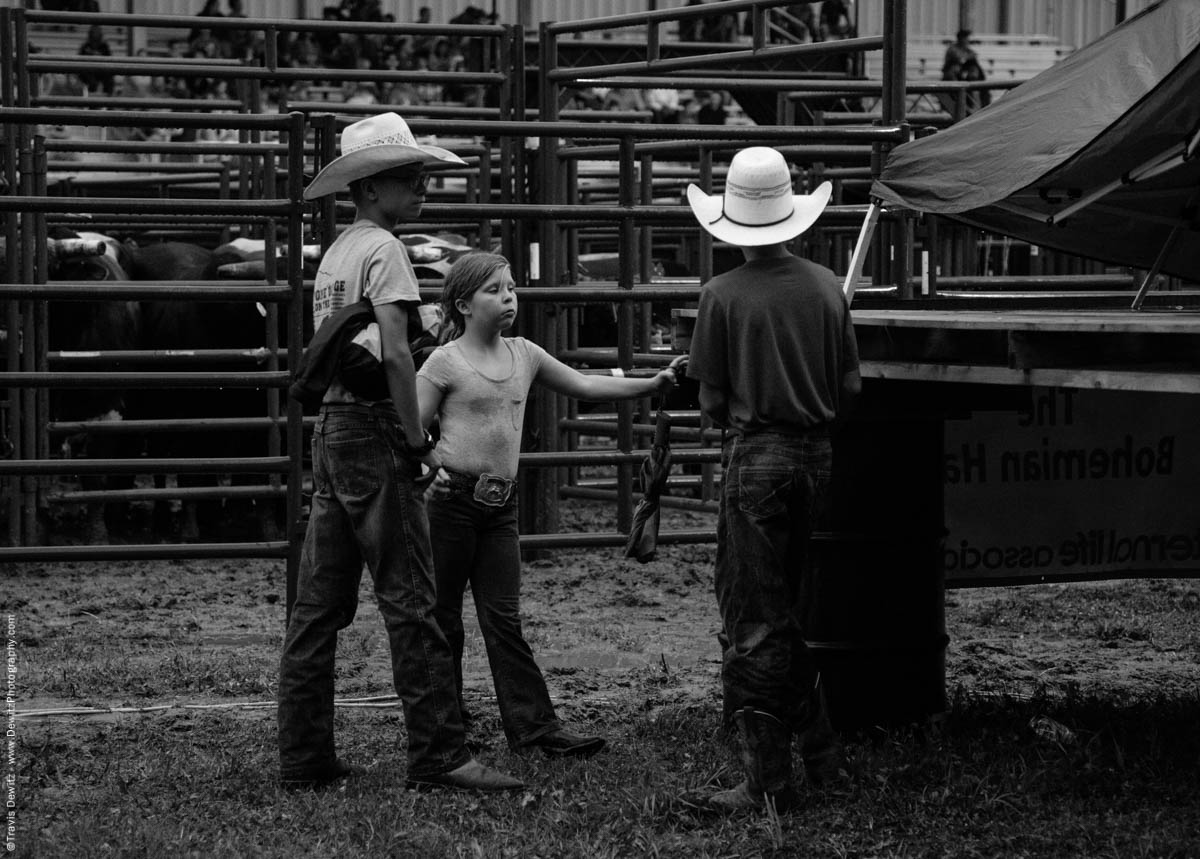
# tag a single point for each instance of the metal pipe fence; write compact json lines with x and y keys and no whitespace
{"x":28,"y":491}
{"x":528,"y":192}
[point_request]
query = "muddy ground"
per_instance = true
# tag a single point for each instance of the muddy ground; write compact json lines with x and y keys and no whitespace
{"x":605,"y":629}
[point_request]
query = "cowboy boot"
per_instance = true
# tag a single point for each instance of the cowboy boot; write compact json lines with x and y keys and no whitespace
{"x":767,"y":757}
{"x":820,"y":746}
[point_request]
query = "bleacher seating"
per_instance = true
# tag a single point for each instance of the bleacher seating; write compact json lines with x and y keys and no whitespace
{"x":1003,"y":56}
{"x":67,"y":39}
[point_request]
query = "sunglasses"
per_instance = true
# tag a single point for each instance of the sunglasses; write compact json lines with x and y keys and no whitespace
{"x":418,"y":183}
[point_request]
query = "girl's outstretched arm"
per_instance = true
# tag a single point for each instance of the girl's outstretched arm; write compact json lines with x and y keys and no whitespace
{"x":561,"y":379}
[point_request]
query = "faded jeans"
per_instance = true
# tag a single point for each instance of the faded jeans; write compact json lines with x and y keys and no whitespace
{"x":365,"y":508}
{"x":774,"y":489}
{"x":478,"y":545}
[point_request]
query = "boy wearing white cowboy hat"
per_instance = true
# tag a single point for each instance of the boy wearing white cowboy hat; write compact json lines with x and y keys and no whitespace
{"x":367,"y":505}
{"x":775,"y":354}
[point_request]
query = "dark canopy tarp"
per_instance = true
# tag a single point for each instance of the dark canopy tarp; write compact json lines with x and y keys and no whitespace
{"x":1110,"y":108}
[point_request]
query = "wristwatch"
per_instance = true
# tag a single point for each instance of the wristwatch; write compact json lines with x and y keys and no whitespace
{"x":423,"y":450}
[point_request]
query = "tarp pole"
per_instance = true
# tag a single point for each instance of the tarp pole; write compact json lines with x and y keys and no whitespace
{"x":860,"y":250}
{"x":1154,"y":269}
{"x":1160,"y":259}
{"x":1165,"y":161}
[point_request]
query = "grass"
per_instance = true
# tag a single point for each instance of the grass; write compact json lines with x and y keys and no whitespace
{"x":1071,"y":729}
{"x":982,"y":784}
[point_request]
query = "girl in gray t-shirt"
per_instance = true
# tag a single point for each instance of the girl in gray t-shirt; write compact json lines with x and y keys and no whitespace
{"x":476,"y":384}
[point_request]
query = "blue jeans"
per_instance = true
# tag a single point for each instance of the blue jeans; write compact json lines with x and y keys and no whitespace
{"x":774,"y":489}
{"x":477,"y":545}
{"x":365,"y":508}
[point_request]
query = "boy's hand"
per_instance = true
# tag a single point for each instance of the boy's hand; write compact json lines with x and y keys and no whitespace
{"x":438,"y":484}
{"x":431,"y":467}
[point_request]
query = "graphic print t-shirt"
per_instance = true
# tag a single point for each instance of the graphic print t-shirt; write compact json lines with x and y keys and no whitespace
{"x":365,"y":260}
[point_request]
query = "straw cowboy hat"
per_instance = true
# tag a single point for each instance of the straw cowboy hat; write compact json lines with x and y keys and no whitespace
{"x":371,"y":146}
{"x":758,"y":207}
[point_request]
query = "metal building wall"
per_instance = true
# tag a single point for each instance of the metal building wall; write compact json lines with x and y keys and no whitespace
{"x":404,"y":10}
{"x":1073,"y":22}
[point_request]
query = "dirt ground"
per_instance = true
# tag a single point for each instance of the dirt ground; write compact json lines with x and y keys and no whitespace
{"x":604,"y":629}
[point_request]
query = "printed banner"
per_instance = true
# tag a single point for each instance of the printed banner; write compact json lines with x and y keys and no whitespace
{"x":1086,"y":484}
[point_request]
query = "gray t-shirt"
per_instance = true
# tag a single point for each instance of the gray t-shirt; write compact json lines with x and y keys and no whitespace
{"x":365,"y":260}
{"x":482,"y":417}
{"x":776,"y":336}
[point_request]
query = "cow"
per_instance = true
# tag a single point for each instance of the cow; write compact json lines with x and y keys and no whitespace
{"x":180,"y":325}
{"x":235,"y":325}
{"x":92,"y":326}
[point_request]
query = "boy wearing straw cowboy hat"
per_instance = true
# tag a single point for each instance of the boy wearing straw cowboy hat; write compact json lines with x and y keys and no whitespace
{"x":775,"y":354}
{"x":368,"y":506}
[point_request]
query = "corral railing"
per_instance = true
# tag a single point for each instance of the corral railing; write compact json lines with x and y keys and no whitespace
{"x":546,"y":191}
{"x":644,"y":166}
{"x":28,"y":291}
{"x":247,"y":182}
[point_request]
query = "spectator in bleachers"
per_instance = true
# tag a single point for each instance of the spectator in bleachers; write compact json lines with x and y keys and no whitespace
{"x":396,"y":92}
{"x":302,"y":51}
{"x":360,"y":92}
{"x":960,"y":58}
{"x":691,"y":29}
{"x":961,"y":63}
{"x":474,"y":15}
{"x":620,"y":98}
{"x":140,"y":86}
{"x":720,"y":28}
{"x":836,"y":21}
{"x":70,"y":5}
{"x":448,"y":57}
{"x":391,"y":41}
{"x":59,"y":83}
{"x":241,"y":43}
{"x":327,"y":40}
{"x":370,"y":10}
{"x":345,"y":54}
{"x":712,"y":107}
{"x":587,"y":98}
{"x":428,"y":92}
{"x":663,"y":102}
{"x":95,"y":45}
{"x":205,"y":45}
{"x":800,"y":25}
{"x":421,"y":43}
{"x":176,"y":86}
{"x":212,"y":9}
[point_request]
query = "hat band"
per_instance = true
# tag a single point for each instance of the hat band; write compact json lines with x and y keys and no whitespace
{"x":744,"y":224}
{"x":399,"y":138}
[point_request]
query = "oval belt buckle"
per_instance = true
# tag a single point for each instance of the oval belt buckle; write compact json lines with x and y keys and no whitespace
{"x":493,"y":490}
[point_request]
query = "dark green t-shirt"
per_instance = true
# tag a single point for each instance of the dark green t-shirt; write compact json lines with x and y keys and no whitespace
{"x":775,"y":335}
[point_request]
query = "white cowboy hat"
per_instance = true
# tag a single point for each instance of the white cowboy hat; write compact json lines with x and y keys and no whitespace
{"x":758,"y":206}
{"x":371,"y":146}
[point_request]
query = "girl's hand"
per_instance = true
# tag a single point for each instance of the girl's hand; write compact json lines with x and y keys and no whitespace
{"x":669,"y":377}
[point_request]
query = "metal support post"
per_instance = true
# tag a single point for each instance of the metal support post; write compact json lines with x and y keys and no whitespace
{"x":295,"y":415}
